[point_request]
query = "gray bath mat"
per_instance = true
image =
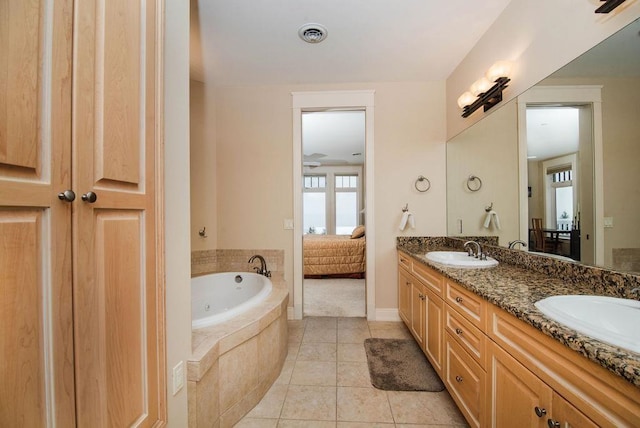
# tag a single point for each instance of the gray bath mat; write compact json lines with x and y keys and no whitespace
{"x":400,"y":365}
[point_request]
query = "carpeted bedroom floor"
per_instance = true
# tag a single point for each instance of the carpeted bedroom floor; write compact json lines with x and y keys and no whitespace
{"x":334,"y":297}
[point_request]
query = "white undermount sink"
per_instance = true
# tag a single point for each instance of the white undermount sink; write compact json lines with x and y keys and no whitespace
{"x":609,"y":319}
{"x":459,"y":259}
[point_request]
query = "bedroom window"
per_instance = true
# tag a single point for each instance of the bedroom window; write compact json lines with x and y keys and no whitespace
{"x":315,"y":204}
{"x":331,"y":201}
{"x":346,"y":197}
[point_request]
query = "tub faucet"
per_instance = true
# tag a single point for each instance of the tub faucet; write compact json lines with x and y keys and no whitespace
{"x":478,"y":252}
{"x":262,"y":270}
{"x":513,"y":244}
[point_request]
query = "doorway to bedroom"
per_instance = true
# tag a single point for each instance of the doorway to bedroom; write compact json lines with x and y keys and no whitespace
{"x":333,"y":213}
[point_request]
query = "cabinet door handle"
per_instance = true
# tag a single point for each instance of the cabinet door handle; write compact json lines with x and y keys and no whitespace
{"x":459,"y":299}
{"x":458,"y":378}
{"x":67,"y":196}
{"x":458,"y":331}
{"x":540,"y":412}
{"x":90,"y":197}
{"x":553,"y":424}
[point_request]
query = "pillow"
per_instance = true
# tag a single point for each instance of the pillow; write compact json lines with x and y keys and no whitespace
{"x":358,"y":232}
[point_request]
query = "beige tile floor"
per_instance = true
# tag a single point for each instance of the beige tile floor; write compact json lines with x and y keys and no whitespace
{"x":325,"y":383}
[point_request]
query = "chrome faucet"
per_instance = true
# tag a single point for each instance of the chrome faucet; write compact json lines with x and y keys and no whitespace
{"x":262,"y":270}
{"x":478,"y":253}
{"x":512,"y":244}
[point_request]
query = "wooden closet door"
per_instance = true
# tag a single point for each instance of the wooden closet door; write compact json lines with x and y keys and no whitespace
{"x":118,"y":325}
{"x":36,"y":340}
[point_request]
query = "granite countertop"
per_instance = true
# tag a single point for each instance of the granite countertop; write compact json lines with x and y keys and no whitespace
{"x":515,"y":289}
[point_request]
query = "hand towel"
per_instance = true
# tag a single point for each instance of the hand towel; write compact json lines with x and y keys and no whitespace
{"x":492,"y":216}
{"x":407,"y":219}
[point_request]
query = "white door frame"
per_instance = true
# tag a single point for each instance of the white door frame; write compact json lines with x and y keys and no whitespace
{"x":591,"y":94}
{"x":310,"y":101}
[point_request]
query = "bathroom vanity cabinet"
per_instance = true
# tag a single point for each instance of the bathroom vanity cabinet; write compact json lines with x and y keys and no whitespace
{"x":503,"y":372}
{"x":421,"y":307}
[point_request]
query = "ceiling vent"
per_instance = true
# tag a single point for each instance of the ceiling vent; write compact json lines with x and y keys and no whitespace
{"x":312,"y":33}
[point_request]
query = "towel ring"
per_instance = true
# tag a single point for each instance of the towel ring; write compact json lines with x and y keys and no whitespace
{"x":471,"y":179}
{"x":422,"y":187}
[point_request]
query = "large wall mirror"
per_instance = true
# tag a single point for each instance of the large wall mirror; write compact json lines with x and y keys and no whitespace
{"x":558,"y":166}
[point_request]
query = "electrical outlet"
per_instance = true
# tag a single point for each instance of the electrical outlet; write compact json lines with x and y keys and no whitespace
{"x":608,"y":222}
{"x":288,"y":224}
{"x":178,"y":377}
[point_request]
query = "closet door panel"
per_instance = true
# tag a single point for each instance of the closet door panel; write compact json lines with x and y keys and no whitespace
{"x":22,"y":334}
{"x":119,"y":376}
{"x":36,"y":341}
{"x":111,"y":361}
{"x":21,"y":81}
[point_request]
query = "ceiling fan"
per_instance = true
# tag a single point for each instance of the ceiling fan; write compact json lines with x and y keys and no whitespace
{"x":312,"y":160}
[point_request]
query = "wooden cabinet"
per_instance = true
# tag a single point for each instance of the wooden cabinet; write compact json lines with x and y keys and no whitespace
{"x":502,"y":372}
{"x":465,"y":380}
{"x":567,"y":416}
{"x":434,"y":332}
{"x":418,"y":303}
{"x":421,"y":309}
{"x":404,"y":296}
{"x":465,"y":314}
{"x":81,"y":326}
{"x":517,"y":398}
{"x":590,"y":390}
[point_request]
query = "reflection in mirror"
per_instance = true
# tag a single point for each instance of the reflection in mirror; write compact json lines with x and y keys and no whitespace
{"x":591,"y":210}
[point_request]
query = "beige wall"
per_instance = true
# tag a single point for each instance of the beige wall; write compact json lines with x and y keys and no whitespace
{"x":254,"y":168}
{"x":203,"y":166}
{"x":177,"y":245}
{"x":539,"y":37}
{"x":488,"y":150}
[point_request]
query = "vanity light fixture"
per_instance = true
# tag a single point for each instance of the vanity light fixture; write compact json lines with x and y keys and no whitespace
{"x":609,"y":5}
{"x":486,"y":91}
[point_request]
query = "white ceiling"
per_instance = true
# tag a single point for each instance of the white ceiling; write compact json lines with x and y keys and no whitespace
{"x":552,"y":132}
{"x":241,"y":42}
{"x":332,"y":137}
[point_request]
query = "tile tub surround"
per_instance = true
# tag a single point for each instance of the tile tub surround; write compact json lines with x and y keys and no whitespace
{"x":235,"y":363}
{"x":210,"y":261}
{"x":522,"y":279}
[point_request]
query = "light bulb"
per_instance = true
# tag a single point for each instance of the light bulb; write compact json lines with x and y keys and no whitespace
{"x":466,"y":99}
{"x":499,"y":69}
{"x":480,"y":86}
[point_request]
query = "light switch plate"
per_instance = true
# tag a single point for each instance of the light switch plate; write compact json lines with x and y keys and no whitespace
{"x":288,"y":224}
{"x":608,"y":221}
{"x":178,"y":377}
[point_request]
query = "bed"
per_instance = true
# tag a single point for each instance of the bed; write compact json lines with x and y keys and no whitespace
{"x":337,"y":256}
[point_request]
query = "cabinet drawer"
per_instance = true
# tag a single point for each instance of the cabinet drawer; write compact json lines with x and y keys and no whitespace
{"x":404,"y":261}
{"x":467,"y":335}
{"x":465,"y":380}
{"x":433,"y":280}
{"x":471,"y":306}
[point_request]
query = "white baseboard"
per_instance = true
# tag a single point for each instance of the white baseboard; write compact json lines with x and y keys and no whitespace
{"x":387,"y":314}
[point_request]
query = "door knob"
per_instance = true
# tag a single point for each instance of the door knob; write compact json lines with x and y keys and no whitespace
{"x":67,"y":195}
{"x":90,"y":197}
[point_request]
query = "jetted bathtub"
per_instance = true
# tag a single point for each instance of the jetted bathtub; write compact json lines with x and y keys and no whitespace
{"x":219,"y":297}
